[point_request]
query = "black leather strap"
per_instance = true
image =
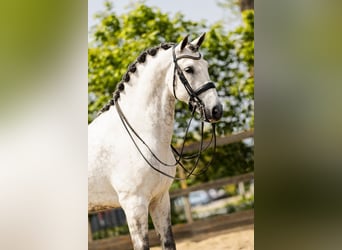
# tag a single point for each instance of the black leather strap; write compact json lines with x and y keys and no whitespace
{"x":192,"y":93}
{"x":205,"y":87}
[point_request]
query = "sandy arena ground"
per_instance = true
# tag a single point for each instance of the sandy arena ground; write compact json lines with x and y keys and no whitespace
{"x":241,"y":238}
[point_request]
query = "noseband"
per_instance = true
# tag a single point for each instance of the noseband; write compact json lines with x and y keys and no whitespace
{"x":194,"y":100}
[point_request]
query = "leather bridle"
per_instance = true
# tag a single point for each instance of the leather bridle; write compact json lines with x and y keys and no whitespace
{"x":194,"y":103}
{"x":194,"y":100}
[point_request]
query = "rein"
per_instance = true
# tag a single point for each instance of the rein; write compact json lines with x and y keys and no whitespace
{"x":194,"y":103}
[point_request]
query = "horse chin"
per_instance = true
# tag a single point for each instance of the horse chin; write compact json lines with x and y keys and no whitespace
{"x":211,"y":120}
{"x":206,"y":116}
{"x":209,"y":117}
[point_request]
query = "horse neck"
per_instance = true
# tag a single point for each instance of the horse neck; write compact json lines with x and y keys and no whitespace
{"x":147,"y":101}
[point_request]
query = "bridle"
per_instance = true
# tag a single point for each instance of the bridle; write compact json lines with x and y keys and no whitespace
{"x":194,"y":100}
{"x":194,"y":103}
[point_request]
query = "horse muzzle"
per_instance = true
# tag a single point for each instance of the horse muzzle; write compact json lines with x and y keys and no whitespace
{"x":211,"y":115}
{"x":214,"y":114}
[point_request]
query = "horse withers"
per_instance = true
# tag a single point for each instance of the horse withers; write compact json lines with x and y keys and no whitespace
{"x":130,"y":160}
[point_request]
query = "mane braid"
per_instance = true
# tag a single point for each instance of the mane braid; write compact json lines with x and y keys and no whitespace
{"x":132,"y":68}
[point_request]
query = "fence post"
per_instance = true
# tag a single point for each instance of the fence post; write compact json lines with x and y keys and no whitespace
{"x":187,"y":207}
{"x":90,"y":235}
{"x":241,"y":188}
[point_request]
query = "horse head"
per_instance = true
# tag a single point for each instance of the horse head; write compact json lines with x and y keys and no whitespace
{"x":190,"y":81}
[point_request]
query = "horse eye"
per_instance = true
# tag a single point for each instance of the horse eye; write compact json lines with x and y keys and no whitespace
{"x":189,"y":70}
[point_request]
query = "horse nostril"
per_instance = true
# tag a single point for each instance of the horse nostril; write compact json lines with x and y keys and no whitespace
{"x":217,"y":112}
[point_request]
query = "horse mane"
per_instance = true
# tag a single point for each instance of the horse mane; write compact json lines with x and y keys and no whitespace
{"x":152,"y":51}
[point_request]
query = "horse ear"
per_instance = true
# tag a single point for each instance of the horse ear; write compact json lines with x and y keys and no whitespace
{"x":198,"y":41}
{"x":184,"y":42}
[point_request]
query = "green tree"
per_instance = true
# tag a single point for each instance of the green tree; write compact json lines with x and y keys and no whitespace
{"x":118,"y":39}
{"x":241,"y":4}
{"x":231,"y":59}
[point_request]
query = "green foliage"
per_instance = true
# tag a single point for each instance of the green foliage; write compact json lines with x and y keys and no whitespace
{"x":230,"y":160}
{"x":109,"y":232}
{"x":231,"y":59}
{"x":242,"y":205}
{"x":231,"y":189}
{"x":117,"y":40}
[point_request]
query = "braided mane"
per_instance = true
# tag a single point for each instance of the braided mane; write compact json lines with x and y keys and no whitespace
{"x":131,"y":70}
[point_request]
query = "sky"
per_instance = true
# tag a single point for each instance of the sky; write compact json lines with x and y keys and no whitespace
{"x":195,"y":10}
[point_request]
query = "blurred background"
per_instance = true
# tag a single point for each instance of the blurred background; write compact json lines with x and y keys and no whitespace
{"x":43,"y":128}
